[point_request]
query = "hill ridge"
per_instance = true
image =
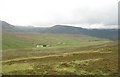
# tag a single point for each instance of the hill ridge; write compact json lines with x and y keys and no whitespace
{"x":63,"y":29}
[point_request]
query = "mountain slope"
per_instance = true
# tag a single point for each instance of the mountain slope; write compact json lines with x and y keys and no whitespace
{"x":29,"y":29}
{"x":63,"y":29}
{"x":101,"y":33}
{"x":6,"y":27}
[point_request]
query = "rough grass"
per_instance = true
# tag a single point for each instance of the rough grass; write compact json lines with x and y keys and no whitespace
{"x":92,"y":60}
{"x":30,"y":40}
{"x":75,"y":55}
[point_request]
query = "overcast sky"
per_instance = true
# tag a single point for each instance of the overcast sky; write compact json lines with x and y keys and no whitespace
{"x":46,"y":13}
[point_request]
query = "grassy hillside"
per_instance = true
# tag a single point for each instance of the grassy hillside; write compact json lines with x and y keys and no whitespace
{"x":11,"y":41}
{"x":67,"y":54}
{"x":30,"y":40}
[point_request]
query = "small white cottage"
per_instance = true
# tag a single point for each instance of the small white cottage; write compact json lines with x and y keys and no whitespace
{"x":39,"y":46}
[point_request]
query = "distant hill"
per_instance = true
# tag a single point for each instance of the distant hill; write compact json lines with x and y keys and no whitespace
{"x":6,"y":27}
{"x":29,"y":29}
{"x":63,"y":29}
{"x":101,"y":33}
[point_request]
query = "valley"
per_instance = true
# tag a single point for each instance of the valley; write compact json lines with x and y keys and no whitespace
{"x":49,"y":53}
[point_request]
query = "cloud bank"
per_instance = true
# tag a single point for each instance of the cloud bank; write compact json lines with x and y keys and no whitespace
{"x":46,"y":13}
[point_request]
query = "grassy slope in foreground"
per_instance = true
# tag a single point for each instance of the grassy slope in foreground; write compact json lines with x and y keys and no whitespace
{"x":97,"y":60}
